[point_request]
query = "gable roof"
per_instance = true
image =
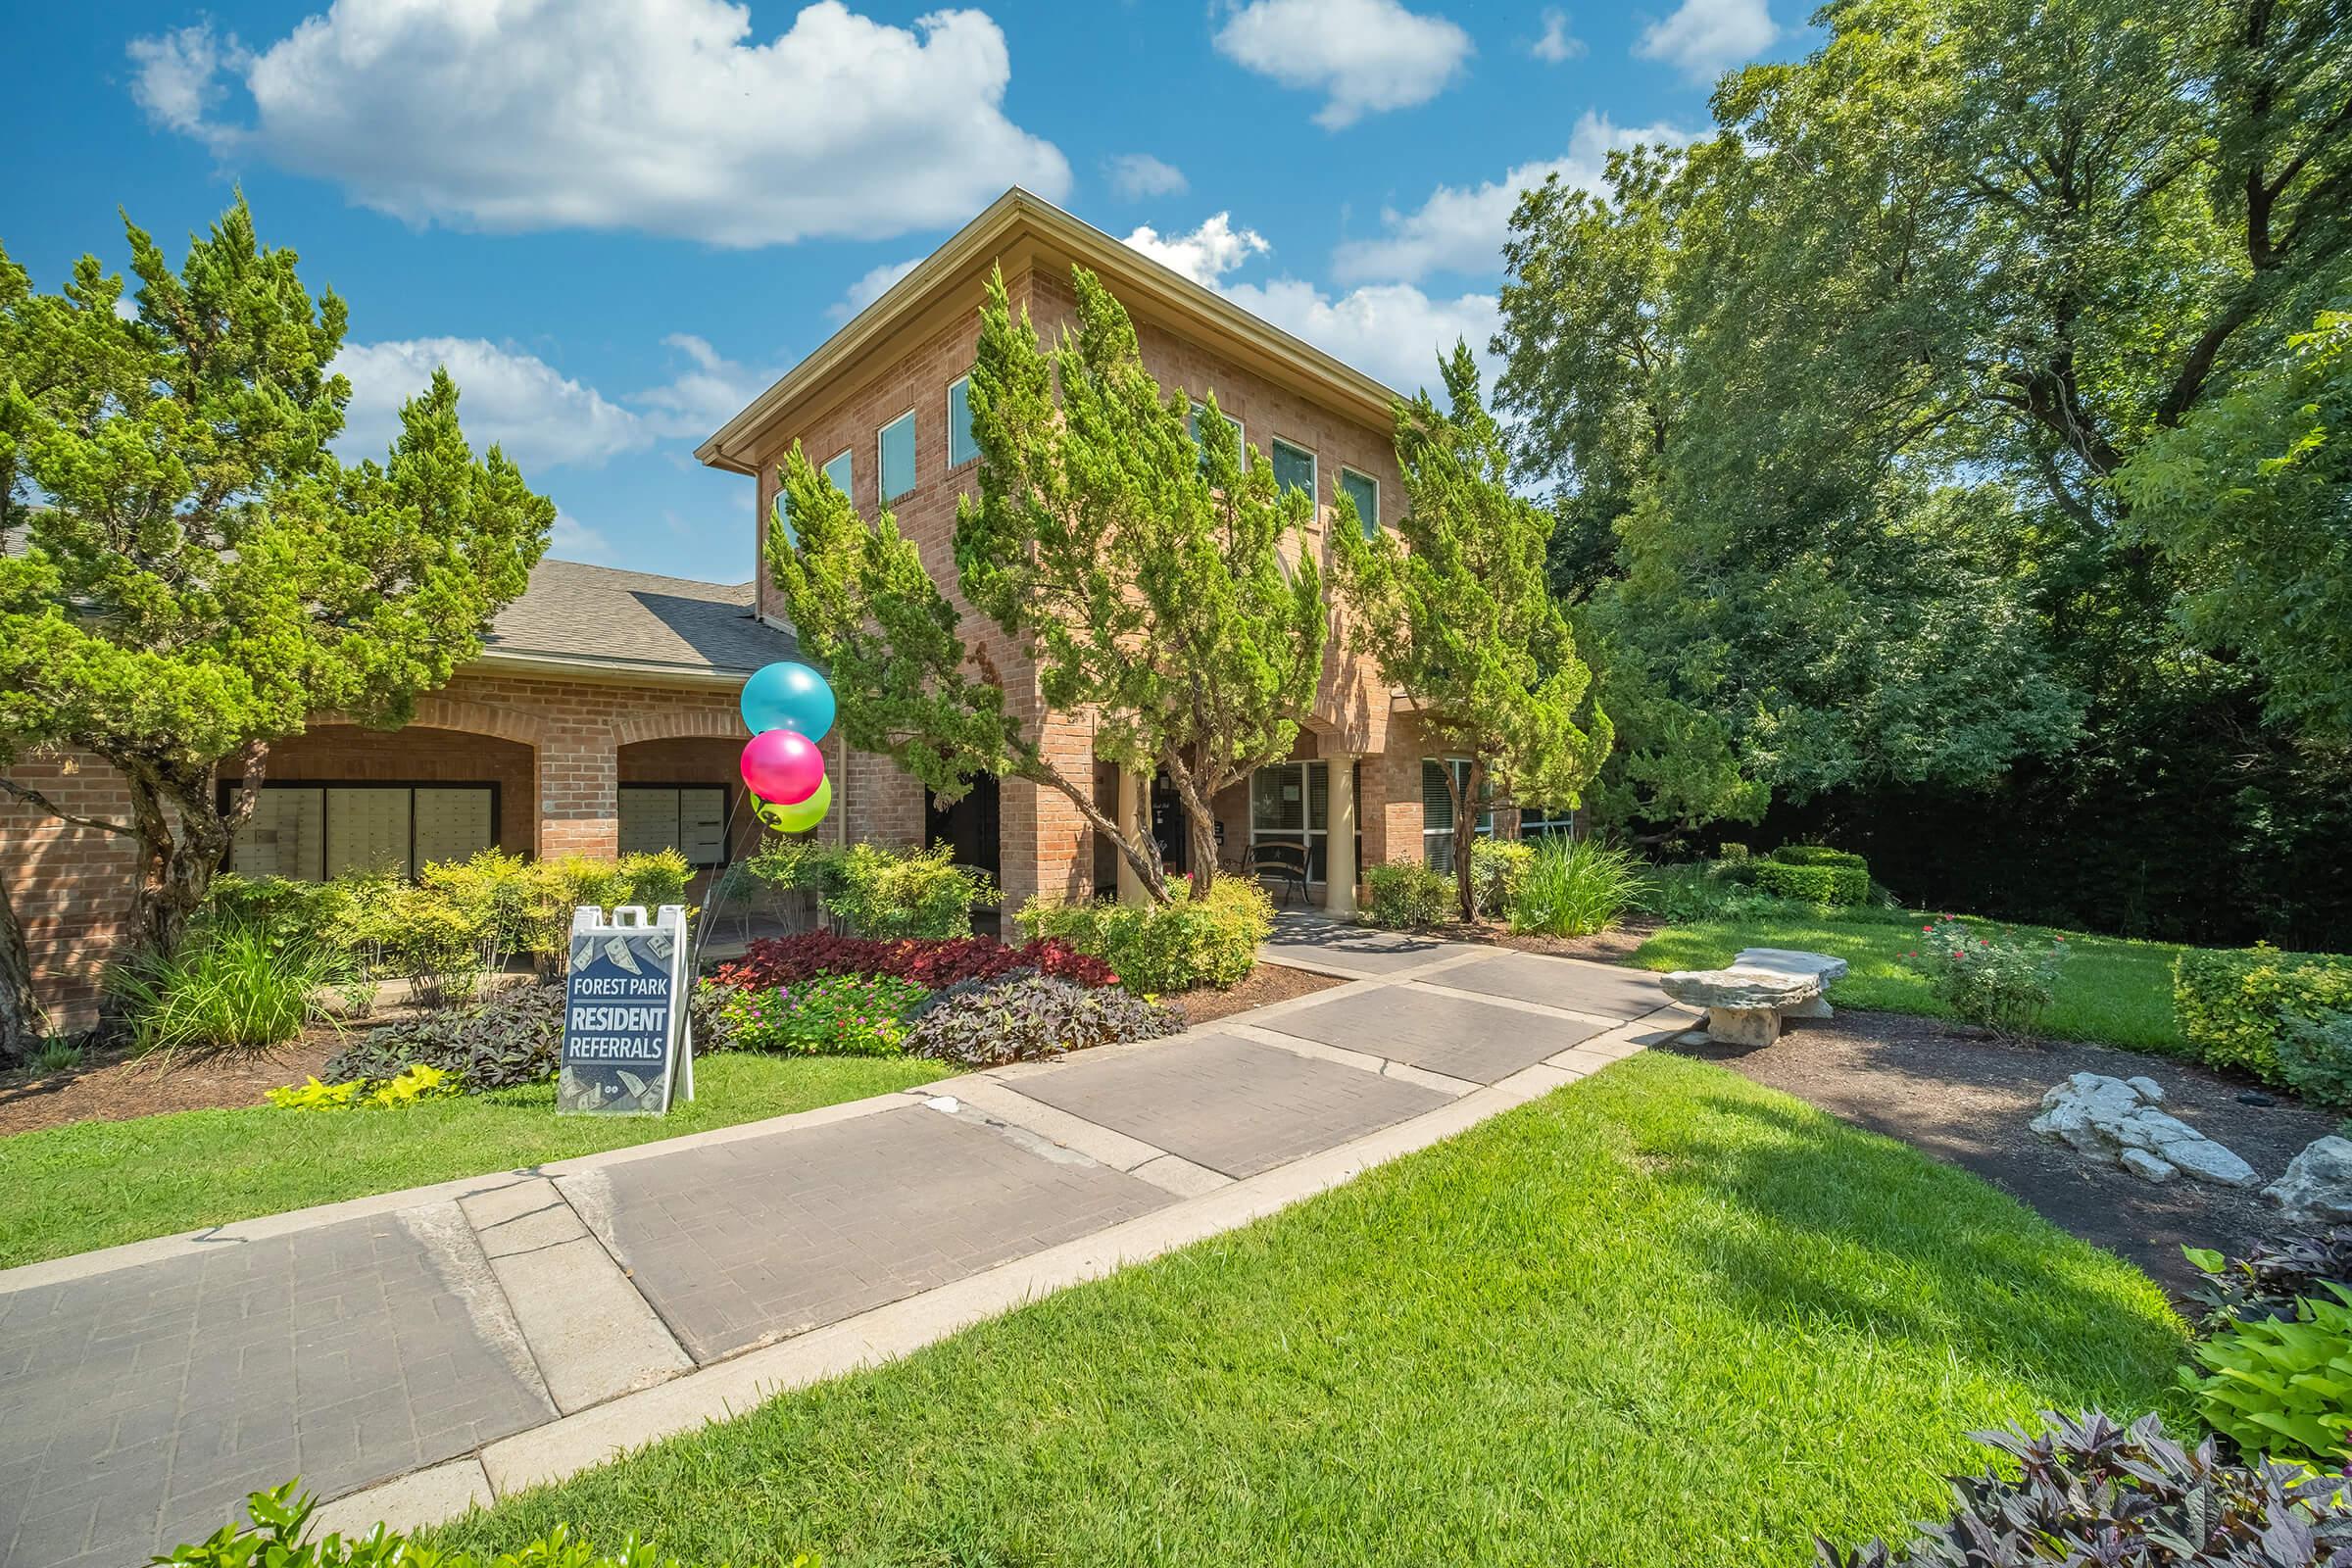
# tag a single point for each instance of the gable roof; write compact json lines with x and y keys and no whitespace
{"x":1019,"y":228}
{"x":582,"y":616}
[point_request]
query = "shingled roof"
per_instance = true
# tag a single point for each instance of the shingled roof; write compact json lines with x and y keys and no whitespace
{"x":575,"y":613}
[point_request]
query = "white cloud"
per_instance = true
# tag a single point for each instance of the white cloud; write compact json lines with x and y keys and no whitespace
{"x":870,"y":287}
{"x":541,"y":416}
{"x":1364,"y":56}
{"x":655,"y":115}
{"x":1135,"y":176}
{"x":1556,"y":44}
{"x":1460,"y":229}
{"x":711,"y":390}
{"x":1391,"y":331}
{"x":1705,"y":37}
{"x":178,"y":73}
{"x":573,"y":540}
{"x":1205,"y":255}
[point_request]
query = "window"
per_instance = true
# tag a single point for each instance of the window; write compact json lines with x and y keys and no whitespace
{"x":1547,"y":823}
{"x":842,"y":472}
{"x":897,"y":444}
{"x":1191,"y":423}
{"x":783,"y":511}
{"x":1364,"y":491}
{"x":317,"y":831}
{"x":1290,"y":803}
{"x":961,"y":447}
{"x":1437,"y":811}
{"x":691,"y":818}
{"x":1293,"y":467}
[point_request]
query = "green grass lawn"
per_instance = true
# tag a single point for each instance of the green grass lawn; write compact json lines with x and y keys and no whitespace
{"x":2110,"y":991}
{"x":1660,"y":1317}
{"x":69,"y":1189}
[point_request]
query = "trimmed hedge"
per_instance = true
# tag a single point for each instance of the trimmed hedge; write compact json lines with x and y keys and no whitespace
{"x":1817,"y":855}
{"x":1188,"y":942}
{"x":1813,"y":884}
{"x":1406,"y":893}
{"x":2236,"y":1003}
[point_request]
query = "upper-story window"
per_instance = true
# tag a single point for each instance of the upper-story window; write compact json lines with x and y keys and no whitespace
{"x":1364,"y":491}
{"x":897,"y":443}
{"x":1192,"y":422}
{"x":1293,"y":467}
{"x":843,"y":471}
{"x":961,"y":447}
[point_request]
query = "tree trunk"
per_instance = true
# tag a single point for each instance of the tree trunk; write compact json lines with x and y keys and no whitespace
{"x":23,"y":1024}
{"x":1200,"y":825}
{"x":184,"y":836}
{"x":1465,"y":834}
{"x":1130,"y":838}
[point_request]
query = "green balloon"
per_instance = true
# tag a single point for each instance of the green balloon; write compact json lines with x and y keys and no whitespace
{"x":801,"y":815}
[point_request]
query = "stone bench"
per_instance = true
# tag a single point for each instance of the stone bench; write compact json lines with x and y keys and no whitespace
{"x":1747,"y":1001}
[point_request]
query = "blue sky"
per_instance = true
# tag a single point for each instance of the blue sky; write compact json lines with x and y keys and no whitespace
{"x":617,"y":220}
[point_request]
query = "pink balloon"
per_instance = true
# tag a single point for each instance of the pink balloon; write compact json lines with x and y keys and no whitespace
{"x":782,"y":766}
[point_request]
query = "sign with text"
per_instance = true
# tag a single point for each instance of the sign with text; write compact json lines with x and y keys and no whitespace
{"x":626,"y":1039}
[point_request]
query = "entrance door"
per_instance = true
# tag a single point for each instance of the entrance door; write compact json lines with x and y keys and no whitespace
{"x":1170,"y":827}
{"x":968,"y":826}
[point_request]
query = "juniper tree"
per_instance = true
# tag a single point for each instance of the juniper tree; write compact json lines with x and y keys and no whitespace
{"x":190,"y":573}
{"x":1454,"y":607}
{"x":1161,"y":584}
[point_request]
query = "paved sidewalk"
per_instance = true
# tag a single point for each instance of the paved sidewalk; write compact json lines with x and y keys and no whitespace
{"x":414,"y":1354}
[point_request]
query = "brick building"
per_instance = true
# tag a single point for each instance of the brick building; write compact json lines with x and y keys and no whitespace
{"x":601,"y":715}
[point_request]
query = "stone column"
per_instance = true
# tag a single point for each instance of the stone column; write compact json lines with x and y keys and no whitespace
{"x":1339,"y":842}
{"x":1131,"y":807}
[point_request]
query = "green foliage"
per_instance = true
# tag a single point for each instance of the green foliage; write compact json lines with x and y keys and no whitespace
{"x":1829,"y":885}
{"x":403,"y":1088}
{"x":553,"y":888}
{"x":1573,"y":888}
{"x":228,"y":988}
{"x":2247,"y":498}
{"x":57,"y":1055}
{"x":1496,"y":868}
{"x":280,"y":1519}
{"x":2088,"y":1489}
{"x":512,"y":1039}
{"x":989,"y":1020}
{"x":2281,"y":1386}
{"x":281,"y":909}
{"x":1406,"y":893}
{"x":415,"y":931}
{"x":1193,"y":939}
{"x":1165,"y":587}
{"x":909,"y":893}
{"x":834,"y":1015}
{"x":1710,"y":889}
{"x":1453,"y":609}
{"x":2003,"y":981}
{"x":2235,"y":1004}
{"x":190,"y":573}
{"x":2275,"y":1275}
{"x":1817,"y":855}
{"x":2315,"y":1059}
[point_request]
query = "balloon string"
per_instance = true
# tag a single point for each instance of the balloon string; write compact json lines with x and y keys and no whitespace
{"x":726,"y":837}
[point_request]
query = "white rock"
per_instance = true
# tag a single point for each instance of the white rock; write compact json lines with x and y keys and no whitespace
{"x":1788,"y":960}
{"x":1739,"y":989}
{"x":2115,"y":1121}
{"x":2318,"y":1185}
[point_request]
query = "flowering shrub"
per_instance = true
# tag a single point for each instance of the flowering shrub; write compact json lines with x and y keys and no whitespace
{"x":782,"y":960}
{"x":833,"y":1016}
{"x":2000,"y":982}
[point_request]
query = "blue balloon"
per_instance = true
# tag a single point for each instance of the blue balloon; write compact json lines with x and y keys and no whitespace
{"x":788,"y":696}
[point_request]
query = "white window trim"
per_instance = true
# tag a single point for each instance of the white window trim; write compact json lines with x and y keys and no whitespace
{"x":907,"y":419}
{"x":826,"y":469}
{"x":953,"y":462}
{"x":1307,"y":835}
{"x":1371,"y":479}
{"x":1485,"y":830}
{"x":1314,"y":468}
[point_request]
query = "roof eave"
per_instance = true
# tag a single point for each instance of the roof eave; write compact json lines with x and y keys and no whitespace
{"x":521,"y":661}
{"x":727,"y":448}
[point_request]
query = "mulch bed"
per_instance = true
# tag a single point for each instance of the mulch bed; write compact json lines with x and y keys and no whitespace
{"x":112,"y":1087}
{"x":1960,"y":1094}
{"x":1613,"y":945}
{"x":1267,"y":983}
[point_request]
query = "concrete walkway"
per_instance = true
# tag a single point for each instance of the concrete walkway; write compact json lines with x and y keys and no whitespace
{"x":413,"y":1354}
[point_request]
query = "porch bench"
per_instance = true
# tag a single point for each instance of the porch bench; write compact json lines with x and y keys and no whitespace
{"x":1746,"y":1003}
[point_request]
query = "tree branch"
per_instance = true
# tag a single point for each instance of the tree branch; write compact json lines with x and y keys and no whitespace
{"x":32,"y":797}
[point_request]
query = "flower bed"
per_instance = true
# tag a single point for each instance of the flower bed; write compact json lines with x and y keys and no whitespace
{"x":931,"y":965}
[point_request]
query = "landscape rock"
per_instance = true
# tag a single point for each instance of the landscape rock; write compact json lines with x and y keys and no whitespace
{"x":1740,"y":988}
{"x":2115,"y":1121}
{"x":1788,"y":960}
{"x":2317,"y":1188}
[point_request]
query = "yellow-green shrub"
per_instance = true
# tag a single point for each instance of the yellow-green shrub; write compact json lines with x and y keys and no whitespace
{"x":1206,"y":941}
{"x":1813,"y":884}
{"x":2235,"y":1004}
{"x":1406,"y":893}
